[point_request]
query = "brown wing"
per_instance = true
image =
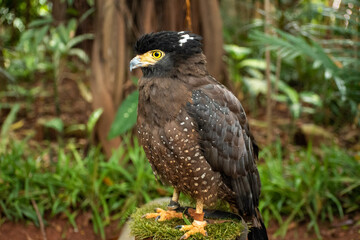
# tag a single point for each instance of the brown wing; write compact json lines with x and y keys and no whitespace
{"x":227,"y":143}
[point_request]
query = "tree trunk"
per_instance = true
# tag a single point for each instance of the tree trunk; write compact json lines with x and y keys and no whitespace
{"x":58,"y":11}
{"x":211,"y":30}
{"x":267,"y":74}
{"x":108,"y":65}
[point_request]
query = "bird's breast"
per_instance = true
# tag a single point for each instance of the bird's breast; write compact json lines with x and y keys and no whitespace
{"x":177,"y":159}
{"x":160,"y":100}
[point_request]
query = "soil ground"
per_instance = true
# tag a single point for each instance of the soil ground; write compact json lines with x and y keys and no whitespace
{"x":58,"y":228}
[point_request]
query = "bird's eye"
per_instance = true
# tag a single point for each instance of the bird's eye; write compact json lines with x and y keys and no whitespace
{"x":157,"y":54}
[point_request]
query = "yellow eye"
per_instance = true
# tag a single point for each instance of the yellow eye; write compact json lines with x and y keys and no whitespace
{"x":157,"y":54}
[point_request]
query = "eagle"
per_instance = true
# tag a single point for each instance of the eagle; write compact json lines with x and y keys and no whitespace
{"x":194,"y":132}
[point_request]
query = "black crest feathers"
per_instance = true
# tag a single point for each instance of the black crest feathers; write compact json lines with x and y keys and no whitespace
{"x":181,"y":43}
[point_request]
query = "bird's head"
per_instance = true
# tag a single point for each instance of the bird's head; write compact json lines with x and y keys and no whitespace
{"x":158,"y":53}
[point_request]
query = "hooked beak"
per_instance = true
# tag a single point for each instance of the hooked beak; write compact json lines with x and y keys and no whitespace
{"x":141,"y":61}
{"x":135,"y":63}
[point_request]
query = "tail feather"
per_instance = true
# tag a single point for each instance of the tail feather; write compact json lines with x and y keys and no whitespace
{"x":259,"y":232}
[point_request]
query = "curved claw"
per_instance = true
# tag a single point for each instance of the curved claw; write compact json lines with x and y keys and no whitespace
{"x":162,"y":215}
{"x":195,"y":227}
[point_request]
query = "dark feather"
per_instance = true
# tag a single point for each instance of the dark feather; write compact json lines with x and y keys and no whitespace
{"x":227,"y":142}
{"x":169,"y":42}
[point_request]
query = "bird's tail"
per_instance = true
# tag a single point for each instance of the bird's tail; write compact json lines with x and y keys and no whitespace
{"x":257,"y":230}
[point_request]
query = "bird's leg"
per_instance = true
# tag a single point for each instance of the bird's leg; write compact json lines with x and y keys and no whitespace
{"x":162,"y":215}
{"x":198,"y":225}
{"x":174,"y":202}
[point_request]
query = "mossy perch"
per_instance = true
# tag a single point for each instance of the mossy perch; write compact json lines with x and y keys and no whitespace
{"x":143,"y":228}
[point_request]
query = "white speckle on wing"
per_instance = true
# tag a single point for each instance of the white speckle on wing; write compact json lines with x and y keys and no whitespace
{"x":184,"y":39}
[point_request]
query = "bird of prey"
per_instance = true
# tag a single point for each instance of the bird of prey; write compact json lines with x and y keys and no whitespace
{"x":194,"y":131}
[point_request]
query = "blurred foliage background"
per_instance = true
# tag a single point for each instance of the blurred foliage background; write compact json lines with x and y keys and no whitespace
{"x":68,"y":105}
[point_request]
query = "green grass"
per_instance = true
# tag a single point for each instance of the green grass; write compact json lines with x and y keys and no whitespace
{"x":308,"y":186}
{"x":299,"y":186}
{"x":143,"y":228}
{"x":70,"y":180}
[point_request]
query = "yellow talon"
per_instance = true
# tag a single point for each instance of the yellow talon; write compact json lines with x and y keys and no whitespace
{"x":162,"y":215}
{"x":195,"y":227}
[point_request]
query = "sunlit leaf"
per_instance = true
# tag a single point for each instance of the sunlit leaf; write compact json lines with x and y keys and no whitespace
{"x":9,"y":120}
{"x":255,"y":86}
{"x":311,"y":97}
{"x":295,"y":109}
{"x":94,"y":117}
{"x":290,"y":92}
{"x":255,"y":73}
{"x":75,"y":128}
{"x":55,"y":123}
{"x":236,"y":51}
{"x":253,"y":63}
{"x":81,"y":54}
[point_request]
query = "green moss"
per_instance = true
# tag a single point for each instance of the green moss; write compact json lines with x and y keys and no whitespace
{"x":143,"y":228}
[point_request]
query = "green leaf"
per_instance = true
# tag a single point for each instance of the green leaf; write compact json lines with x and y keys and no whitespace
{"x":312,"y":98}
{"x":78,"y":39}
{"x":80,"y":54}
{"x":337,"y":203}
{"x":63,"y":33}
{"x":186,"y":220}
{"x":39,"y":36}
{"x":295,"y":110}
{"x":71,"y":217}
{"x":91,"y":3}
{"x":25,"y":38}
{"x":289,"y":91}
{"x":86,"y":14}
{"x":253,"y":63}
{"x":255,"y":86}
{"x":236,"y":51}
{"x":40,"y":22}
{"x":9,"y":120}
{"x":55,"y":123}
{"x":71,"y":26}
{"x":94,"y":117}
{"x":126,"y":115}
